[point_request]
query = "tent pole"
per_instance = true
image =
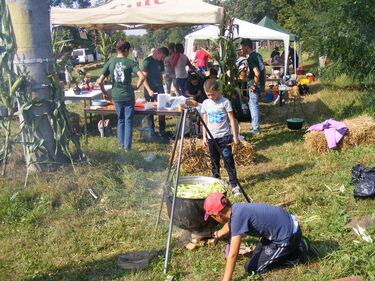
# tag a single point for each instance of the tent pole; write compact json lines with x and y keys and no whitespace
{"x":269,"y":48}
{"x":286,"y":56}
{"x":295,"y":59}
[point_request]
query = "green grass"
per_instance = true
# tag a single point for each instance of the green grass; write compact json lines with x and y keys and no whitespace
{"x":55,"y":230}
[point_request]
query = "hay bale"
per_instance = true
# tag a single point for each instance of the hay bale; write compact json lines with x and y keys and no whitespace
{"x":244,"y":154}
{"x":196,"y":159}
{"x":361,"y":131}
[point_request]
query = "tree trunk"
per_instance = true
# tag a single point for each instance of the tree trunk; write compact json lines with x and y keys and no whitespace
{"x":31,"y":24}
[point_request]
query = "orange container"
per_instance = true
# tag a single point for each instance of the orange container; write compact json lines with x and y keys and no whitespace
{"x":311,"y":78}
{"x":139,"y":104}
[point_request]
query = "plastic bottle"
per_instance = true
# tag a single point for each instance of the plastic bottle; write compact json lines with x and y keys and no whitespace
{"x":146,"y":133}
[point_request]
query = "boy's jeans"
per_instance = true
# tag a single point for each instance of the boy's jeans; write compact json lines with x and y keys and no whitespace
{"x":227,"y":153}
{"x":254,"y":108}
{"x":125,"y":114}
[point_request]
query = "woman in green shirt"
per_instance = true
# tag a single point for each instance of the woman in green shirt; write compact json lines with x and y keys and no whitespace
{"x":121,"y":68}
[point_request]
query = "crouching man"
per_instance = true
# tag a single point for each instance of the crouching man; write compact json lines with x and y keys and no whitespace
{"x":279,"y":231}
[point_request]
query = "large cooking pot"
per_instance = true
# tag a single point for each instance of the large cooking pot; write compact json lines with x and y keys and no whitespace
{"x":189,"y":213}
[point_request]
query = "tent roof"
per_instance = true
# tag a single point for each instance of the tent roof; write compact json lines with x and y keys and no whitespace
{"x":246,"y":30}
{"x":138,"y":14}
{"x":269,"y":23}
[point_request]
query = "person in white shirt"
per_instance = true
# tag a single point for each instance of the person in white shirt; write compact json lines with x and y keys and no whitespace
{"x":192,"y":54}
{"x":169,"y":72}
{"x":135,"y":55}
{"x":179,"y":63}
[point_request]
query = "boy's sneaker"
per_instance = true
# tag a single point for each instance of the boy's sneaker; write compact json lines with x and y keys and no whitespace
{"x":253,"y":132}
{"x":236,"y":190}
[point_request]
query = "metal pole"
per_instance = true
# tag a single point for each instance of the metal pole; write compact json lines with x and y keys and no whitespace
{"x":184,"y":113}
{"x":178,"y":131}
{"x":224,"y":160}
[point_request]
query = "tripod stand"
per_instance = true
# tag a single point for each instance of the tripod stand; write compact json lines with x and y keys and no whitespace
{"x":168,"y":182}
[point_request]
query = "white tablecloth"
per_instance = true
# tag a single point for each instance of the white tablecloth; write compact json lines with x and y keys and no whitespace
{"x":85,"y":95}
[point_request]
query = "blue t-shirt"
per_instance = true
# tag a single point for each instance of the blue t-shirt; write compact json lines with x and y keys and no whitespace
{"x":263,"y":220}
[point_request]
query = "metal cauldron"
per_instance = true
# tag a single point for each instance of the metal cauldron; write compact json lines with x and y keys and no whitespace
{"x":189,"y":213}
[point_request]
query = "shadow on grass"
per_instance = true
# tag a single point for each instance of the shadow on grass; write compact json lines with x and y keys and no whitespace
{"x":277,"y":138}
{"x":105,"y":269}
{"x":315,"y":88}
{"x":280,"y":174}
{"x":261,"y":158}
{"x":324,"y":248}
{"x":313,"y":112}
{"x":132,"y":158}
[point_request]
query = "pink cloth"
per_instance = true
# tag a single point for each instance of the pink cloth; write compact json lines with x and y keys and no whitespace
{"x":334,"y":131}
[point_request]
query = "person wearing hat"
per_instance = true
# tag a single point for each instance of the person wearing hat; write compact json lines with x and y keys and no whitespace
{"x":279,"y":231}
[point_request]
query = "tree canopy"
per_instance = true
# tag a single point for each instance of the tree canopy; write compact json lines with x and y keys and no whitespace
{"x":343,"y":30}
{"x":250,"y":10}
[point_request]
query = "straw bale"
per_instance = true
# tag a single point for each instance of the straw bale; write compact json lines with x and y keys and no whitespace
{"x":361,"y":131}
{"x":244,"y":154}
{"x":195,"y":156}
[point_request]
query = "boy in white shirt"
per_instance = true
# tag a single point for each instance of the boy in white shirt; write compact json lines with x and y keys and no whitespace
{"x":218,"y":115}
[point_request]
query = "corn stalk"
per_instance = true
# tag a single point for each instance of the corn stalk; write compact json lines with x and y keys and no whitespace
{"x":105,"y":45}
{"x":226,"y":58}
{"x":59,"y":43}
{"x":14,"y":91}
{"x":12,"y":82}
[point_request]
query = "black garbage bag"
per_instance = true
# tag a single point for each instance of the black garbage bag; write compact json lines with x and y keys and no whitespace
{"x":364,"y":177}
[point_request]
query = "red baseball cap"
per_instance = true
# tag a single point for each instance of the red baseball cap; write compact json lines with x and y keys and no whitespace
{"x":212,"y":204}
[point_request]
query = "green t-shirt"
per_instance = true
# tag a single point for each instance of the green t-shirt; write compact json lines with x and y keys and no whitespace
{"x":121,"y":70}
{"x":256,"y":60}
{"x":154,"y":69}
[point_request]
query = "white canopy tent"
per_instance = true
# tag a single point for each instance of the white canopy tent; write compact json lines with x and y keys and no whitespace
{"x":245,"y":30}
{"x":139,"y":14}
